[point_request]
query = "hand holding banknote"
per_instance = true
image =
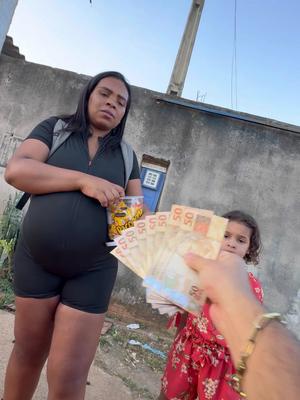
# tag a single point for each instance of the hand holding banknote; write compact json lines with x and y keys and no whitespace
{"x":154,"y":249}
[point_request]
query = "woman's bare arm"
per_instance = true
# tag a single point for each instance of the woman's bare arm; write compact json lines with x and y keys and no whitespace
{"x":27,"y":171}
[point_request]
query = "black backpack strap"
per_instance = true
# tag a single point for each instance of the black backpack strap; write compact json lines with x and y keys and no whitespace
{"x":59,"y":137}
{"x":22,"y":201}
{"x":127,"y":153}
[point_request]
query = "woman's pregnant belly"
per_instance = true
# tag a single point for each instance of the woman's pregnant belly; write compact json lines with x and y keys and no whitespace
{"x":66,"y":228}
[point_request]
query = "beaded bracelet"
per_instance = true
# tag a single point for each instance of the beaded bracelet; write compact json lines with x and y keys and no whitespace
{"x":260,"y":323}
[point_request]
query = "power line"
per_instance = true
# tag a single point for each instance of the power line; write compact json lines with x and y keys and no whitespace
{"x":234,"y":100}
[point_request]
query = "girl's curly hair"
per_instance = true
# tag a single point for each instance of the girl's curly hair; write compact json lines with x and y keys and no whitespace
{"x":253,"y":252}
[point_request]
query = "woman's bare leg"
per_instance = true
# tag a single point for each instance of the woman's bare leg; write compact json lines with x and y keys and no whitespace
{"x":74,"y":343}
{"x":33,"y":331}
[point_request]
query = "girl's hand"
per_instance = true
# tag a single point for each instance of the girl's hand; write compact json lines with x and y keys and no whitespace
{"x":100,"y":189}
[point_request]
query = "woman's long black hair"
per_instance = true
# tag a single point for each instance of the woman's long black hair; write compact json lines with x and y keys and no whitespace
{"x":79,"y":122}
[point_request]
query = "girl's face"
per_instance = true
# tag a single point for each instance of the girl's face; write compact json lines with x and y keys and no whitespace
{"x":237,"y":238}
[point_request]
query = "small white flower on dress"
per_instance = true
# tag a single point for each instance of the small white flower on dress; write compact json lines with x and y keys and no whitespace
{"x":164,"y":383}
{"x":175,"y":361}
{"x":184,"y":369}
{"x":220,"y":337}
{"x":214,"y":361}
{"x":219,"y":352}
{"x":195,"y":366}
{"x":257,"y":289}
{"x":179,"y":347}
{"x":190,"y":379}
{"x":202,"y":324}
{"x":210,"y":387}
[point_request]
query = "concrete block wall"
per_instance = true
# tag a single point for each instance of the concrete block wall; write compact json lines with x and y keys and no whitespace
{"x":217,"y":161}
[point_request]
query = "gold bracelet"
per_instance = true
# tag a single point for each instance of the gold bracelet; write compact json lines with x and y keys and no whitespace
{"x":260,"y":323}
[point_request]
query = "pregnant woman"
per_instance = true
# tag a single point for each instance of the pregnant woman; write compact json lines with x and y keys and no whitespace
{"x":63,"y":272}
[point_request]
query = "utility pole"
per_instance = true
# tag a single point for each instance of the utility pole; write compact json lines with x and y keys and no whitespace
{"x":185,"y":50}
{"x":7,"y":9}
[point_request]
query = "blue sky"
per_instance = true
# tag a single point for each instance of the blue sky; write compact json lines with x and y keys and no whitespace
{"x":140,"y":38}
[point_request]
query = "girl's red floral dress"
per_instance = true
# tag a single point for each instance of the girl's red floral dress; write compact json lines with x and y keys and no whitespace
{"x":199,"y":364}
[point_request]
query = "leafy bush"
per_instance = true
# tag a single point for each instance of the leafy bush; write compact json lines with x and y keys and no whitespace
{"x":9,"y":230}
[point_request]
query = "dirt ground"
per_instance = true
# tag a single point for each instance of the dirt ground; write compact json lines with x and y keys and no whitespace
{"x":139,"y":368}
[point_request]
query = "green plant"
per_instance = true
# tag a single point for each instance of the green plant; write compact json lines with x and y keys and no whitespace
{"x":9,"y":230}
{"x":10,"y":219}
{"x":6,"y":292}
{"x":7,"y":254}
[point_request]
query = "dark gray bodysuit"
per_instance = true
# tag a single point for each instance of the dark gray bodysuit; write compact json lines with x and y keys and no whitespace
{"x":61,"y":250}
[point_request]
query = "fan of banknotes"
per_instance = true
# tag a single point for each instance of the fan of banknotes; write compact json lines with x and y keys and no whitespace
{"x":154,"y":248}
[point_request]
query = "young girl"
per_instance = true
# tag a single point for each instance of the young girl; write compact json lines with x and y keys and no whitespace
{"x":199,"y":365}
